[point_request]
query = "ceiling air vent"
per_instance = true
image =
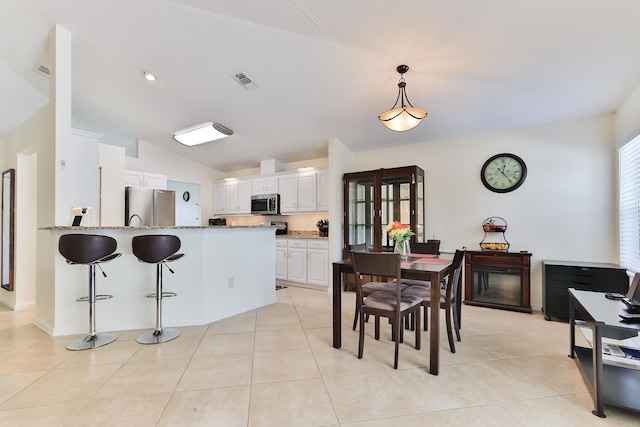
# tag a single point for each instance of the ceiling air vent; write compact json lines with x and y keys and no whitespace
{"x":245,"y":81}
{"x":41,"y":69}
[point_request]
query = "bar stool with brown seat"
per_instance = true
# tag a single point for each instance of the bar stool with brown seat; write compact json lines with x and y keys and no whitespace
{"x":158,"y":249}
{"x":91,"y":250}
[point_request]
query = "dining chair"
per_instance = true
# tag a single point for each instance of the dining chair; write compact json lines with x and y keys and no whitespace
{"x":347,"y":278}
{"x":448,"y":298}
{"x":370,"y":285}
{"x":430,"y":247}
{"x":391,"y":304}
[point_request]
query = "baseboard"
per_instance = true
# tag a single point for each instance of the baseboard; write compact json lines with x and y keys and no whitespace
{"x":302,"y":285}
{"x":25,"y":306}
{"x":43,"y":325}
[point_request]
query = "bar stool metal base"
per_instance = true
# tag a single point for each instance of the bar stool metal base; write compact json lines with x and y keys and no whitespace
{"x":91,"y":341}
{"x":158,"y":337}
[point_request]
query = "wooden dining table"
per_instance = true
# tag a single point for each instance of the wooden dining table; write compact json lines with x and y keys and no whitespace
{"x":433,"y":268}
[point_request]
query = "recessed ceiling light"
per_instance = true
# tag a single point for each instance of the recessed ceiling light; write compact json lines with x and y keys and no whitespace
{"x":306,"y":168}
{"x":201,"y":133}
{"x":149,"y":76}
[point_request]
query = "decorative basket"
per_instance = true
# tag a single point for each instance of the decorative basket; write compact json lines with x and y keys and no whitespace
{"x":496,"y":247}
{"x":494,"y":223}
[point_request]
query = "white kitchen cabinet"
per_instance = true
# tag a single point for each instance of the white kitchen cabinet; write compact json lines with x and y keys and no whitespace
{"x":155,"y":180}
{"x":218,"y":199}
{"x":266,"y":185}
{"x":145,"y":179}
{"x":323,"y":191}
{"x":244,"y":197}
{"x":288,"y":185}
{"x":298,"y":192}
{"x":237,"y":197}
{"x":281,"y":259}
{"x":303,"y":261}
{"x":297,"y":260}
{"x":231,"y":198}
{"x":133,"y":179}
{"x":318,"y":262}
{"x":307,"y":190}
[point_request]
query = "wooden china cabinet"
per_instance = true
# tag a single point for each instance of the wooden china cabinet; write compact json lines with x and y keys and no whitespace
{"x":374,"y":198}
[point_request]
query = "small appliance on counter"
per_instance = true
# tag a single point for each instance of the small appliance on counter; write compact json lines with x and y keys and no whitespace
{"x":282,"y":227}
{"x":81,"y":217}
{"x":217,"y":221}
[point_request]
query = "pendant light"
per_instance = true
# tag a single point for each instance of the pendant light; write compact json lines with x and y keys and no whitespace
{"x":406,"y":116}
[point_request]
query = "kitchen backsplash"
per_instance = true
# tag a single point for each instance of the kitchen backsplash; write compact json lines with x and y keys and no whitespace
{"x":302,"y":223}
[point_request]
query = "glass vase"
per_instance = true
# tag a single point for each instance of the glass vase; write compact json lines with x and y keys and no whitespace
{"x":402,"y":247}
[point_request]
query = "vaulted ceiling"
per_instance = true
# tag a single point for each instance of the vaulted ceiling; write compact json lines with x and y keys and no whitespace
{"x":323,"y":68}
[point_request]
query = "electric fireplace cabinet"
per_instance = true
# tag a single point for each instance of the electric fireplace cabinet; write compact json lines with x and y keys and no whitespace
{"x":498,"y":280}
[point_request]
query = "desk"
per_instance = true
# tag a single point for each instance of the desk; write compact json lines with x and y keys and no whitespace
{"x":417,"y":268}
{"x":611,"y":384}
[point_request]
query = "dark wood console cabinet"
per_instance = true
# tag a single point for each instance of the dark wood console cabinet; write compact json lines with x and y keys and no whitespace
{"x":559,"y":276}
{"x":498,"y":280}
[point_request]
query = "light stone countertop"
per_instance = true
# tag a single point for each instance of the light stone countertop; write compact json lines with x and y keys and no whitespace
{"x":310,"y":235}
{"x":175,"y":227}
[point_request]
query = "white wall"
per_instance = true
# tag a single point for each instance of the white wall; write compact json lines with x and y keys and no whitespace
{"x":154,"y":159}
{"x":78,"y":179}
{"x":627,"y":119}
{"x":319,"y":163}
{"x":65,"y":179}
{"x":26,"y":230}
{"x":565,"y":210}
{"x":34,"y":136}
{"x":339,"y":159}
{"x":112,"y":167}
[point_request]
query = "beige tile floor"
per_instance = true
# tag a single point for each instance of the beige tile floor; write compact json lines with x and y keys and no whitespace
{"x":275,"y":367}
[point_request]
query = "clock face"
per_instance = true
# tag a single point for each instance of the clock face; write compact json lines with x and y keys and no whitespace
{"x":503,"y":173}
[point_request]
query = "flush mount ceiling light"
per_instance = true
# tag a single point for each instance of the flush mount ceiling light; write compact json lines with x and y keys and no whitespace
{"x":149,"y":76}
{"x":199,"y":134}
{"x":406,"y":116}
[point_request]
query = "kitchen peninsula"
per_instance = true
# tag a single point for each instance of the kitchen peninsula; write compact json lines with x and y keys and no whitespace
{"x":226,"y":271}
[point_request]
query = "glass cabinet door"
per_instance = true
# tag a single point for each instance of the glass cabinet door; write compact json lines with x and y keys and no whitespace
{"x":396,"y":205}
{"x":419,"y":207}
{"x":373,"y":199}
{"x":359,"y":208}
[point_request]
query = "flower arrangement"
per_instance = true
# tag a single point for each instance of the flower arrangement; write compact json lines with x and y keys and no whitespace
{"x":399,"y":232}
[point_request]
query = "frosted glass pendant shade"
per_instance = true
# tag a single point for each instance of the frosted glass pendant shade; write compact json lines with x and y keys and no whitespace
{"x":406,"y":116}
{"x":402,"y":119}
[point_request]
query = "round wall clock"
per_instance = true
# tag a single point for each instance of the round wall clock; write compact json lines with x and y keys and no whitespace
{"x":186,"y":196}
{"x":503,"y":172}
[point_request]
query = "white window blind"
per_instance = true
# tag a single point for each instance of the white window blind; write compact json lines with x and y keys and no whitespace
{"x":629,"y":207}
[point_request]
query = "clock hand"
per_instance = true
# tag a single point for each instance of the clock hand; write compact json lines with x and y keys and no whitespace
{"x":505,"y":175}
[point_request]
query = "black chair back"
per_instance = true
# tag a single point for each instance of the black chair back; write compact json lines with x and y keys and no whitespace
{"x":359,"y":247}
{"x":454,"y":281}
{"x":428,"y":247}
{"x":155,"y":248}
{"x":86,"y":248}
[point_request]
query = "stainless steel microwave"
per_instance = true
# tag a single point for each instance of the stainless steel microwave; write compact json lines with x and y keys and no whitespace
{"x":265,"y":204}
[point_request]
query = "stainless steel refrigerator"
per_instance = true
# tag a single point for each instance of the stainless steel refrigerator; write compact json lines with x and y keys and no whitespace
{"x":146,"y":206}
